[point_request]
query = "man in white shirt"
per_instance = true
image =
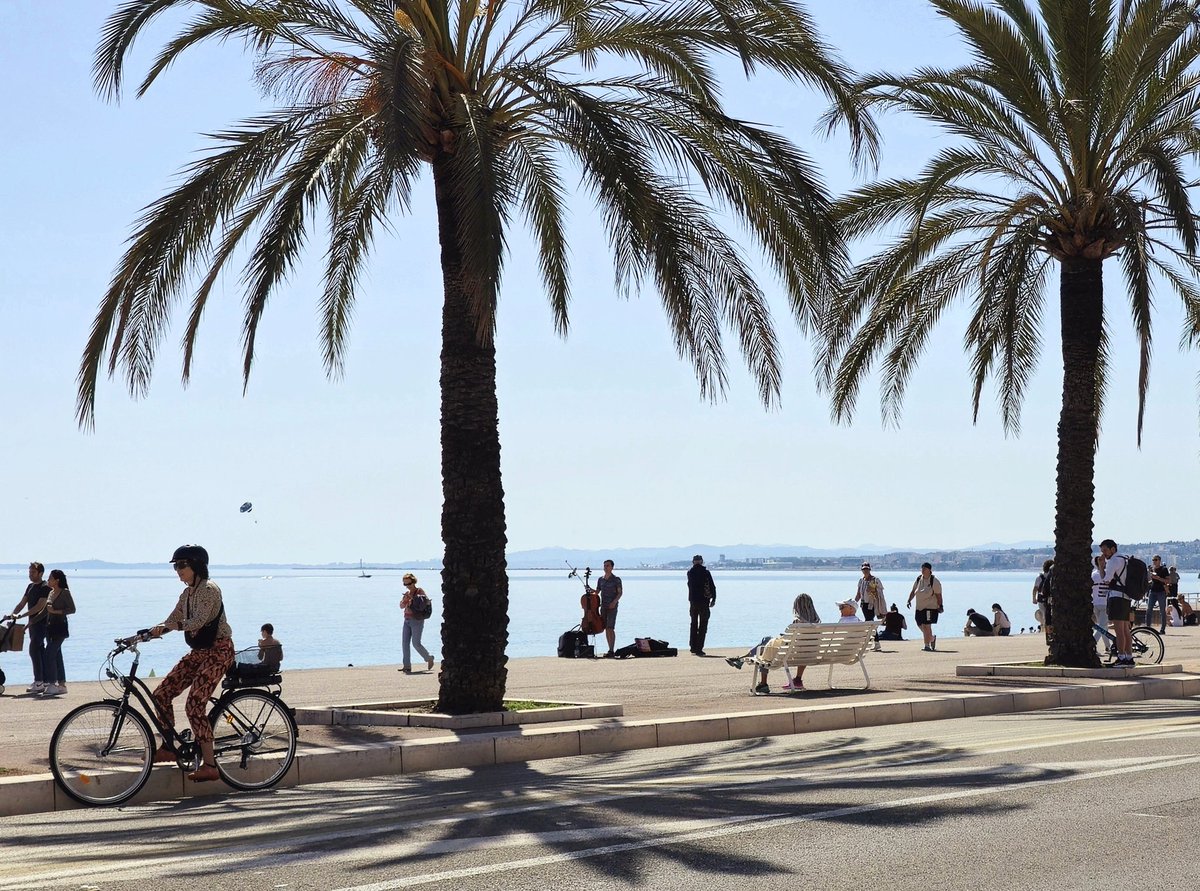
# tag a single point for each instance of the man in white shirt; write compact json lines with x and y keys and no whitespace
{"x":1120,"y":609}
{"x":927,"y":591}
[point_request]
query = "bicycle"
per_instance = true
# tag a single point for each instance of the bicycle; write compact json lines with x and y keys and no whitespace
{"x":102,"y":752}
{"x":1146,"y":643}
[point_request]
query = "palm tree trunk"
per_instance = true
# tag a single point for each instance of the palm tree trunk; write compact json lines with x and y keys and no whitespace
{"x":1081,"y":297}
{"x":474,"y":577}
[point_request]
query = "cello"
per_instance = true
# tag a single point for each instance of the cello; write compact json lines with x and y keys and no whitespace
{"x":592,"y":622}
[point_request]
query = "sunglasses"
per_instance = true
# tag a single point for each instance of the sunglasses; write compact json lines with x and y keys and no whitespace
{"x":181,"y":564}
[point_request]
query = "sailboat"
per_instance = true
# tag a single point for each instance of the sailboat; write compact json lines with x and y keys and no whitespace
{"x":362,"y":574}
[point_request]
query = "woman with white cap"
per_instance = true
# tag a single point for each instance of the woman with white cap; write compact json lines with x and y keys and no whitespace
{"x":870,"y":595}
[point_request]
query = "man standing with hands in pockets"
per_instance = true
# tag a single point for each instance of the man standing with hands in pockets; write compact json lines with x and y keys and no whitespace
{"x":928,"y":593}
{"x":702,"y":597}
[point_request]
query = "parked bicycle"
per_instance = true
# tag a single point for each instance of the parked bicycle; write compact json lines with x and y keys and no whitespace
{"x":1147,"y":644}
{"x":102,"y":752}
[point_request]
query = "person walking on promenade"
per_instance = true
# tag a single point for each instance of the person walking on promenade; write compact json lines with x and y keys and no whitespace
{"x":200,"y":615}
{"x":608,"y":586}
{"x":927,"y":591}
{"x":1001,"y":624}
{"x":1160,"y":577}
{"x":1040,"y":594}
{"x":1120,"y":609}
{"x":34,"y":604}
{"x":417,"y":608}
{"x":702,"y":597}
{"x":1173,"y":581}
{"x":870,"y":595}
{"x":59,"y":605}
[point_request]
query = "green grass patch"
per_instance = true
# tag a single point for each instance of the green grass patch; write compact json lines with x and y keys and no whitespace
{"x":510,"y":705}
{"x":528,"y":705}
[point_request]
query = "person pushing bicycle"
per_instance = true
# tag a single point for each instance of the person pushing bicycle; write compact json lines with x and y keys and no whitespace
{"x":200,"y":615}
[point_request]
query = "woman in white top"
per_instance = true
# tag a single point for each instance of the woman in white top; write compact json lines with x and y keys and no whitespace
{"x":1099,"y":599}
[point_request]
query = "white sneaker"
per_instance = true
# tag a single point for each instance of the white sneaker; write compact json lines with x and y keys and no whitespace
{"x":54,"y":690}
{"x":35,"y":687}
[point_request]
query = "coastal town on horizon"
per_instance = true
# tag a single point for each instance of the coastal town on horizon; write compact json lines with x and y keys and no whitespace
{"x":1185,"y":555}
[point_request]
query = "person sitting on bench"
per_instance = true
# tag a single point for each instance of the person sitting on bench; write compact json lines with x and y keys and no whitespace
{"x":803,"y":610}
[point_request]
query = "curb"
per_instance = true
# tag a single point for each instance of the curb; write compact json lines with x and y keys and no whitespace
{"x":39,"y":794}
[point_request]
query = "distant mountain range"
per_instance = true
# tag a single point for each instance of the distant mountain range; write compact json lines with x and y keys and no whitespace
{"x":993,"y":555}
{"x":735,"y":553}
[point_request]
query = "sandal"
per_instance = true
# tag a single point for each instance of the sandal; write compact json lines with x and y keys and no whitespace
{"x":163,"y":755}
{"x":205,"y":774}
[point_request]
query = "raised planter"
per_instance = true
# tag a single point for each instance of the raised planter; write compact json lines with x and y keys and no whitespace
{"x":401,"y":714}
{"x":1024,"y":670}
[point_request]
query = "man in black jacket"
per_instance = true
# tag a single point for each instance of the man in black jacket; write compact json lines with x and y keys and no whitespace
{"x":702,"y":597}
{"x":34,"y":605}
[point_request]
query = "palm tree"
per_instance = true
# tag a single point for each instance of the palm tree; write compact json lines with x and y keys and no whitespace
{"x":1071,"y":125}
{"x":497,"y":99}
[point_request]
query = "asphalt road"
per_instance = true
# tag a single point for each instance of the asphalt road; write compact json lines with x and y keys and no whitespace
{"x":1088,"y":798}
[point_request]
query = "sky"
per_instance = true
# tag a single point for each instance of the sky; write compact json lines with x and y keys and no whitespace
{"x":606,"y":441}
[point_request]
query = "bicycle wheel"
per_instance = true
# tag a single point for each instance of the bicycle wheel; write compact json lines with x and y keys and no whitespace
{"x":101,"y":755}
{"x":1148,"y":647}
{"x":254,"y":739}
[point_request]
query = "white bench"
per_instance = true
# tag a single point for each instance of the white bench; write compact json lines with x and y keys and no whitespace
{"x":838,"y":643}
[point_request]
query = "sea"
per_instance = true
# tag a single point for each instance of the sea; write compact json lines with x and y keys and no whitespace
{"x":335,"y":618}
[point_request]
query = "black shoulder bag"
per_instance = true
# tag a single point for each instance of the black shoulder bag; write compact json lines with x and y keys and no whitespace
{"x":207,"y":635}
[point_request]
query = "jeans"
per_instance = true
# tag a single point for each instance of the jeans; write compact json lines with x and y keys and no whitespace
{"x":1159,"y":597}
{"x":1100,"y":620}
{"x":52,"y":662}
{"x":37,"y":648}
{"x":412,"y":635}
{"x":699,"y":612}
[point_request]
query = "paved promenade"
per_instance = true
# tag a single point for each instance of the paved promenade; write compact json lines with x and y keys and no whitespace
{"x":666,"y":702}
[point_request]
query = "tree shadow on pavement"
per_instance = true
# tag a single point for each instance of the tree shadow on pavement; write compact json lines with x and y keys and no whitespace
{"x":621,"y":817}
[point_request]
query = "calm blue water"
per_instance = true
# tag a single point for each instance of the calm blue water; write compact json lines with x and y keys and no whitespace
{"x":328,"y":619}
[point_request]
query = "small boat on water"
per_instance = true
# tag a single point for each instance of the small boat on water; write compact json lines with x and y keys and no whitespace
{"x":362,"y":574}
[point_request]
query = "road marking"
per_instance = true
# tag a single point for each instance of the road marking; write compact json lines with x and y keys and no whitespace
{"x":758,"y":826}
{"x":668,"y":832}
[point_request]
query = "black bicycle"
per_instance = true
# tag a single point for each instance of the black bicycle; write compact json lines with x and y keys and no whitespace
{"x":1146,"y":644}
{"x":102,"y":752}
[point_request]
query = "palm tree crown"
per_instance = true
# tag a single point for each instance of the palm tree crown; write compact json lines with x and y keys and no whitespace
{"x":501,"y":94}
{"x":498,"y":100}
{"x":1072,"y":123}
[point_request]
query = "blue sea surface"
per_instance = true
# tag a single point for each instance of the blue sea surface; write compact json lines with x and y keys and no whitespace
{"x":330,"y":619}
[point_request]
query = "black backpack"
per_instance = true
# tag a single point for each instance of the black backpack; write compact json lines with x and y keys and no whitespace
{"x":421,"y":606}
{"x":1134,"y":581}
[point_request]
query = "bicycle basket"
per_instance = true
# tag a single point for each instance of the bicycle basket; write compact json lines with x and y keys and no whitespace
{"x":246,"y":671}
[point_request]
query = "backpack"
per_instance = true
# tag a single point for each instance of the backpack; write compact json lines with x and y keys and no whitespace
{"x":421,"y":606}
{"x":1134,"y":582}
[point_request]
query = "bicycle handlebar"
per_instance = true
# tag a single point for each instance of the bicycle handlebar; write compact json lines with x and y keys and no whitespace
{"x":124,"y":643}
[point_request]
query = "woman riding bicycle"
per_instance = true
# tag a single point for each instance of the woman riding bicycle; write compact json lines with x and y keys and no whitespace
{"x":200,"y":614}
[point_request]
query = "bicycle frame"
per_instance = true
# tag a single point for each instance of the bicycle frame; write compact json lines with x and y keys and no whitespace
{"x":131,"y":684}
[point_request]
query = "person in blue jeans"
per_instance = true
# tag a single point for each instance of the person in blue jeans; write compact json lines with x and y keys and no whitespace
{"x":1159,"y":576}
{"x":34,"y":605}
{"x":413,"y":627}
